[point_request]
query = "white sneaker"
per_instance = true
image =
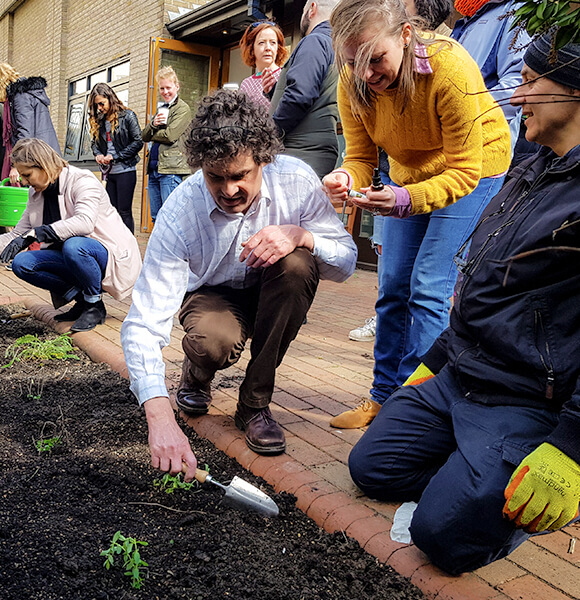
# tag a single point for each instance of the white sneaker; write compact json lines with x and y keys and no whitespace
{"x":365,"y":332}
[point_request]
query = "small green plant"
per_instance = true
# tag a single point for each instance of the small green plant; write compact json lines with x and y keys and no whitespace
{"x":31,"y":347}
{"x":170,"y":483}
{"x":35,"y":390}
{"x":128,"y":548}
{"x":48,"y":444}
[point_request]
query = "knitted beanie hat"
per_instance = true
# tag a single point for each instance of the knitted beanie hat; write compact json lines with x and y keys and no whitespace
{"x":469,"y":7}
{"x":565,"y":70}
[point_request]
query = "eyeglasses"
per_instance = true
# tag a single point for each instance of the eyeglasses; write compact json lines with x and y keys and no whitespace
{"x":227,"y":133}
{"x":269,"y":23}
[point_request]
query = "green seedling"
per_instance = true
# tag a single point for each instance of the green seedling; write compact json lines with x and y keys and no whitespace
{"x":31,"y":347}
{"x":48,"y":444}
{"x":170,"y":483}
{"x":35,"y":390}
{"x":128,"y":548}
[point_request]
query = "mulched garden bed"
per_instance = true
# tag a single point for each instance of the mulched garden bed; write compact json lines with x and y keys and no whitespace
{"x":60,"y":509}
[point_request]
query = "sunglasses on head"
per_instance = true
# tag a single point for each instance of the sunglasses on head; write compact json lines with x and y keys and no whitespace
{"x":256,"y":23}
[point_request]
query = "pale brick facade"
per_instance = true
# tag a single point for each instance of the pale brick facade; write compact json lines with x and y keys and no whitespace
{"x":66,"y":39}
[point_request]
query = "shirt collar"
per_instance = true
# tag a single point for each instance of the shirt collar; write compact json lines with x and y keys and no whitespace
{"x":422,"y":65}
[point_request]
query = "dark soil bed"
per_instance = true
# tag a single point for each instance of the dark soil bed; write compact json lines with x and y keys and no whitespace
{"x":59,"y":510}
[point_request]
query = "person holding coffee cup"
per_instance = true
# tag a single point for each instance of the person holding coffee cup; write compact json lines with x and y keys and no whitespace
{"x":166,"y":163}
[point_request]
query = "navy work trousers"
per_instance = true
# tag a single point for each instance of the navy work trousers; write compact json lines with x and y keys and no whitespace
{"x":454,"y":457}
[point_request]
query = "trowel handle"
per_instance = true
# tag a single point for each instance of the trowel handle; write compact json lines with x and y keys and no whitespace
{"x":201,"y":475}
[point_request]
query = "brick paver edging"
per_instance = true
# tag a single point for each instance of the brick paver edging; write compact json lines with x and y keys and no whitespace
{"x":327,"y":505}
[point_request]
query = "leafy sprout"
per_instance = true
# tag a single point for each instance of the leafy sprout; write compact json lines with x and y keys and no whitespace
{"x":170,"y":483}
{"x":31,"y":347}
{"x":48,"y":444}
{"x":128,"y":549}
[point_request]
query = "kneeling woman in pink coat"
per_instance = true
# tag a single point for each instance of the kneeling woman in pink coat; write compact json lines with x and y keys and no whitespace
{"x":85,"y":246}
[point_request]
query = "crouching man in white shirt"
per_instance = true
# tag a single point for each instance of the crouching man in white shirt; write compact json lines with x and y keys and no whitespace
{"x":238,"y":249}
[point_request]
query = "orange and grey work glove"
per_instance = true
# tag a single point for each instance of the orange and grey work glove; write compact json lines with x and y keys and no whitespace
{"x":419,"y":375}
{"x":544,"y":491}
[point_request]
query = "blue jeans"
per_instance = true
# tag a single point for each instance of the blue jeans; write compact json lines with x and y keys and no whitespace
{"x":417,"y":276}
{"x":159,"y":186}
{"x":454,"y":457}
{"x":79,"y":266}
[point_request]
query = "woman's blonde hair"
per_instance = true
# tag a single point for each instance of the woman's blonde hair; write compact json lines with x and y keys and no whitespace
{"x":7,"y":76}
{"x":32,"y":152}
{"x":385,"y":18}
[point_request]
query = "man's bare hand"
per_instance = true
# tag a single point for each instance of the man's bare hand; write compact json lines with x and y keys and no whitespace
{"x":169,"y":446}
{"x":274,"y":242}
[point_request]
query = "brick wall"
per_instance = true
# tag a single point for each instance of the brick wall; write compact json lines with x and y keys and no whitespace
{"x":64,"y":39}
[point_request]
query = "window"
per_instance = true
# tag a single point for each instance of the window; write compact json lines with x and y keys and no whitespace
{"x":78,"y":138}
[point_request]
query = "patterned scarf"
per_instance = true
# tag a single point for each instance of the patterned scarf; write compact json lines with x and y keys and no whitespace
{"x":469,"y":7}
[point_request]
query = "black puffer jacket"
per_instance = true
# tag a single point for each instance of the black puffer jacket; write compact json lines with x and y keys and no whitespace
{"x":514,"y":334}
{"x":126,"y":139}
{"x":29,"y":111}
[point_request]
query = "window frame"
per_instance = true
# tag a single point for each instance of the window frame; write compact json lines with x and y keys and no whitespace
{"x":78,"y":132}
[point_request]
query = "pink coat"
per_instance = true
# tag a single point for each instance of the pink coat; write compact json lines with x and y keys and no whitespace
{"x":86,"y":210}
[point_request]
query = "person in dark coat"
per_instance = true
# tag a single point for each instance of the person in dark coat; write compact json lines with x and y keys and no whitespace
{"x":26,"y":114}
{"x":490,"y":446}
{"x":116,"y":144}
{"x":304,"y":100}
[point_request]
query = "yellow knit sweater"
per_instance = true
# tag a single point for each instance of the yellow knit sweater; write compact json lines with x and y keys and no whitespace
{"x":448,"y":137}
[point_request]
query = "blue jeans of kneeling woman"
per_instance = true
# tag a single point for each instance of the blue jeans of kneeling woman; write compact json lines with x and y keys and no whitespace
{"x":417,"y":277}
{"x":78,"y":266}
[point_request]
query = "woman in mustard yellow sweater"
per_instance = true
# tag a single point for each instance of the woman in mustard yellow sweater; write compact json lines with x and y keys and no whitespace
{"x":421,"y":98}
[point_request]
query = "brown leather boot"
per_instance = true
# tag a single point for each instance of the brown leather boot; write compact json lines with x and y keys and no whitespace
{"x":360,"y":416}
{"x":263,"y":434}
{"x":193,"y":397}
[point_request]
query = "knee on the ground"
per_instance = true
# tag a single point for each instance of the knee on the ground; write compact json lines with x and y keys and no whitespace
{"x":379,"y":484}
{"x":444,"y":542}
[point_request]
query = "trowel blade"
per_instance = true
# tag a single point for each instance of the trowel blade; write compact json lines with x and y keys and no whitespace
{"x":241,"y":494}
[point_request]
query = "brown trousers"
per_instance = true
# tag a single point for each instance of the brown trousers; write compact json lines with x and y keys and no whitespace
{"x":218,"y":320}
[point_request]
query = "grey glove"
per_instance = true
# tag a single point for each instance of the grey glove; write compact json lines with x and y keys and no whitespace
{"x":15,"y":246}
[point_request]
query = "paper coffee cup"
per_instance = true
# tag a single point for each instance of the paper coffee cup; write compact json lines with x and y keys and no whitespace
{"x":164,"y":112}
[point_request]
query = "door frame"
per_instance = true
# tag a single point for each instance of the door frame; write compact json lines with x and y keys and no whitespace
{"x":156,"y":45}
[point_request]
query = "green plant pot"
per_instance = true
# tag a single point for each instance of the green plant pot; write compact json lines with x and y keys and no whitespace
{"x":12,"y":203}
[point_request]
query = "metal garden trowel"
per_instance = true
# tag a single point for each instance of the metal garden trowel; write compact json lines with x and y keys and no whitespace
{"x":241,"y":494}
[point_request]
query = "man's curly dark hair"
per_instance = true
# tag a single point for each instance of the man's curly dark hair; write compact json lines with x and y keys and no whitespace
{"x":252,"y":130}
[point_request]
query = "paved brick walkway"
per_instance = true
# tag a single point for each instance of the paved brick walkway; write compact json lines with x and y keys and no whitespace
{"x":323,"y":374}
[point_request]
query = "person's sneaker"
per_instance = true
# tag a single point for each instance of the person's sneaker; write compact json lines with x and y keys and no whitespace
{"x":360,"y":416}
{"x":366,"y":332}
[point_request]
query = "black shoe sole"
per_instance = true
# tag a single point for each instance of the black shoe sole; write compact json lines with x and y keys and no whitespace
{"x":77,"y":330}
{"x":267,"y":450}
{"x":192,"y":412}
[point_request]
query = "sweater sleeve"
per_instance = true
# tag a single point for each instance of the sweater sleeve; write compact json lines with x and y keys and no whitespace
{"x":362,"y":154}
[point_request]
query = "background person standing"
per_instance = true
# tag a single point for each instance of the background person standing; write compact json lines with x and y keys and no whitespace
{"x":116,"y":144}
{"x":304,"y":100}
{"x":26,"y":114}
{"x":166,"y":164}
{"x":262,"y":47}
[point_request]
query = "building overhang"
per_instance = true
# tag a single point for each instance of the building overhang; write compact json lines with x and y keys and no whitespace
{"x":220,"y":22}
